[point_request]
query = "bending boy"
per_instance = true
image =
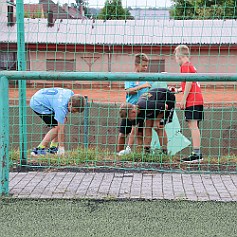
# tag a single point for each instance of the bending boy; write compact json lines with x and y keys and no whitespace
{"x":52,"y":105}
{"x":156,"y":107}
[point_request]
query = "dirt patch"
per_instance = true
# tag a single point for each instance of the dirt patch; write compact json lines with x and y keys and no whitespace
{"x":213,"y":97}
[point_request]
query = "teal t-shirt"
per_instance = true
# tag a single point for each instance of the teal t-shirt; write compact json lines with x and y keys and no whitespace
{"x":134,"y":97}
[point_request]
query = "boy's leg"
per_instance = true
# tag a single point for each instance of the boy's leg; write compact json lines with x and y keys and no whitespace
{"x":162,"y":135}
{"x":124,"y":129}
{"x":196,"y":155}
{"x":53,"y":148}
{"x":139,"y":141}
{"x":51,"y":135}
{"x":195,"y":132}
{"x":140,"y":135}
{"x":193,"y":115}
{"x":121,"y":142}
{"x":148,"y":134}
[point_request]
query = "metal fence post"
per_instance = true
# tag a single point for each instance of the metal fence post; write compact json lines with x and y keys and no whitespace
{"x":21,"y":62}
{"x":86,"y":122}
{"x":4,"y":137}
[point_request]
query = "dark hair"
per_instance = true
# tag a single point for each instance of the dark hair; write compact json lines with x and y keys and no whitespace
{"x":124,"y":110}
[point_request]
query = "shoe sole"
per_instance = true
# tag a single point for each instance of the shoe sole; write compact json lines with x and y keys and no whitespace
{"x":33,"y":154}
{"x":51,"y":153}
{"x":193,"y":161}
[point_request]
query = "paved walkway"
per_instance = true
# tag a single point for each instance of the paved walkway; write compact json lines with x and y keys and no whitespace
{"x":172,"y":186}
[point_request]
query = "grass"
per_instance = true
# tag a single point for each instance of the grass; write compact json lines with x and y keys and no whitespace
{"x":95,"y":158}
{"x":69,"y":218}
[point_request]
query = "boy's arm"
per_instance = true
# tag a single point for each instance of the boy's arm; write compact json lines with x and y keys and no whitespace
{"x":61,"y":130}
{"x":175,"y":90}
{"x":134,"y":90}
{"x":132,"y":136}
{"x":130,"y":142}
{"x":187,"y":89}
{"x":61,"y":138}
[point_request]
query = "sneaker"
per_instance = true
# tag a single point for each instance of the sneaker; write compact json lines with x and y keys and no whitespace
{"x":38,"y":151}
{"x":53,"y":150}
{"x":164,"y":151}
{"x":193,"y":158}
{"x":160,"y":152}
{"x":147,"y":150}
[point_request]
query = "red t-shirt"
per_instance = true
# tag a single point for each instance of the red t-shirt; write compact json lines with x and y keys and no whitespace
{"x":195,"y":95}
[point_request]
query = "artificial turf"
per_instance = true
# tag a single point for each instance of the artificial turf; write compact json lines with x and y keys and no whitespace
{"x":112,"y":218}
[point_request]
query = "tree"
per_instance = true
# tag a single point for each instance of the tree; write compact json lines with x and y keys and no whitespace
{"x":113,"y":10}
{"x":33,"y":15}
{"x":84,"y":4}
{"x":204,"y":9}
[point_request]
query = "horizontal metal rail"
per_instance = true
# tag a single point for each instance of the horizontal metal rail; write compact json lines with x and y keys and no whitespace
{"x":119,"y":76}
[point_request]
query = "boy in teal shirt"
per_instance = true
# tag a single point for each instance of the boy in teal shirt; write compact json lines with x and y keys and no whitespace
{"x":133,"y":91}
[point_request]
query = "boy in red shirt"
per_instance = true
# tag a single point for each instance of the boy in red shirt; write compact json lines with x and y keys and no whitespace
{"x":192,"y":102}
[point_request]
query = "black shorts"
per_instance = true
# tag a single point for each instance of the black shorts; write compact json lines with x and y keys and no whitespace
{"x":168,"y":113}
{"x":48,"y":119}
{"x":194,"y":113}
{"x":126,"y":126}
{"x":168,"y":117}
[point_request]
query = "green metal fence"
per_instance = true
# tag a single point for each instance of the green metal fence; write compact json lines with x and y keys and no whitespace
{"x":94,"y":55}
{"x":91,"y":137}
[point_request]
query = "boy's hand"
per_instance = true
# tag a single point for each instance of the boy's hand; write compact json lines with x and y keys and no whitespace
{"x":61,"y":151}
{"x":173,"y":89}
{"x":147,"y":85}
{"x":183,"y":104}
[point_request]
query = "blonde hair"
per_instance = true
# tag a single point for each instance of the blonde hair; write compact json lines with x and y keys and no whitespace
{"x":141,"y":57}
{"x":78,"y":102}
{"x":182,"y":50}
{"x":124,"y":110}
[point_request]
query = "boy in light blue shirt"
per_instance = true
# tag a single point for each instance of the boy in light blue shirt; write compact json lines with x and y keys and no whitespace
{"x":52,"y":105}
{"x":133,"y":91}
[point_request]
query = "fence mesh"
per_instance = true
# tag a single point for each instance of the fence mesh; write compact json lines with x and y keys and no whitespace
{"x":105,"y":37}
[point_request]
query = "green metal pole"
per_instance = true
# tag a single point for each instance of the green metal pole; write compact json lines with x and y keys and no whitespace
{"x":120,"y":76}
{"x":4,"y":137}
{"x":21,"y":62}
{"x":86,"y":122}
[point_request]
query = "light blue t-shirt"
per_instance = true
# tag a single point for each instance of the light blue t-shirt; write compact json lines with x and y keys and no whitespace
{"x":134,"y":97}
{"x":52,"y":100}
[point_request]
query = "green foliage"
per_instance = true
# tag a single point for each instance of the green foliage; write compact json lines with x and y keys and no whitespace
{"x":203,"y":9}
{"x":113,"y":10}
{"x":36,"y":14}
{"x":80,"y":2}
{"x":85,"y":5}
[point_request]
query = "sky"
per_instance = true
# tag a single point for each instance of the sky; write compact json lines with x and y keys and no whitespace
{"x":126,"y":3}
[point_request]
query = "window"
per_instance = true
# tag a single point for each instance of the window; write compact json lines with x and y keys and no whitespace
{"x":8,"y":61}
{"x":156,"y":65}
{"x":60,"y":65}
